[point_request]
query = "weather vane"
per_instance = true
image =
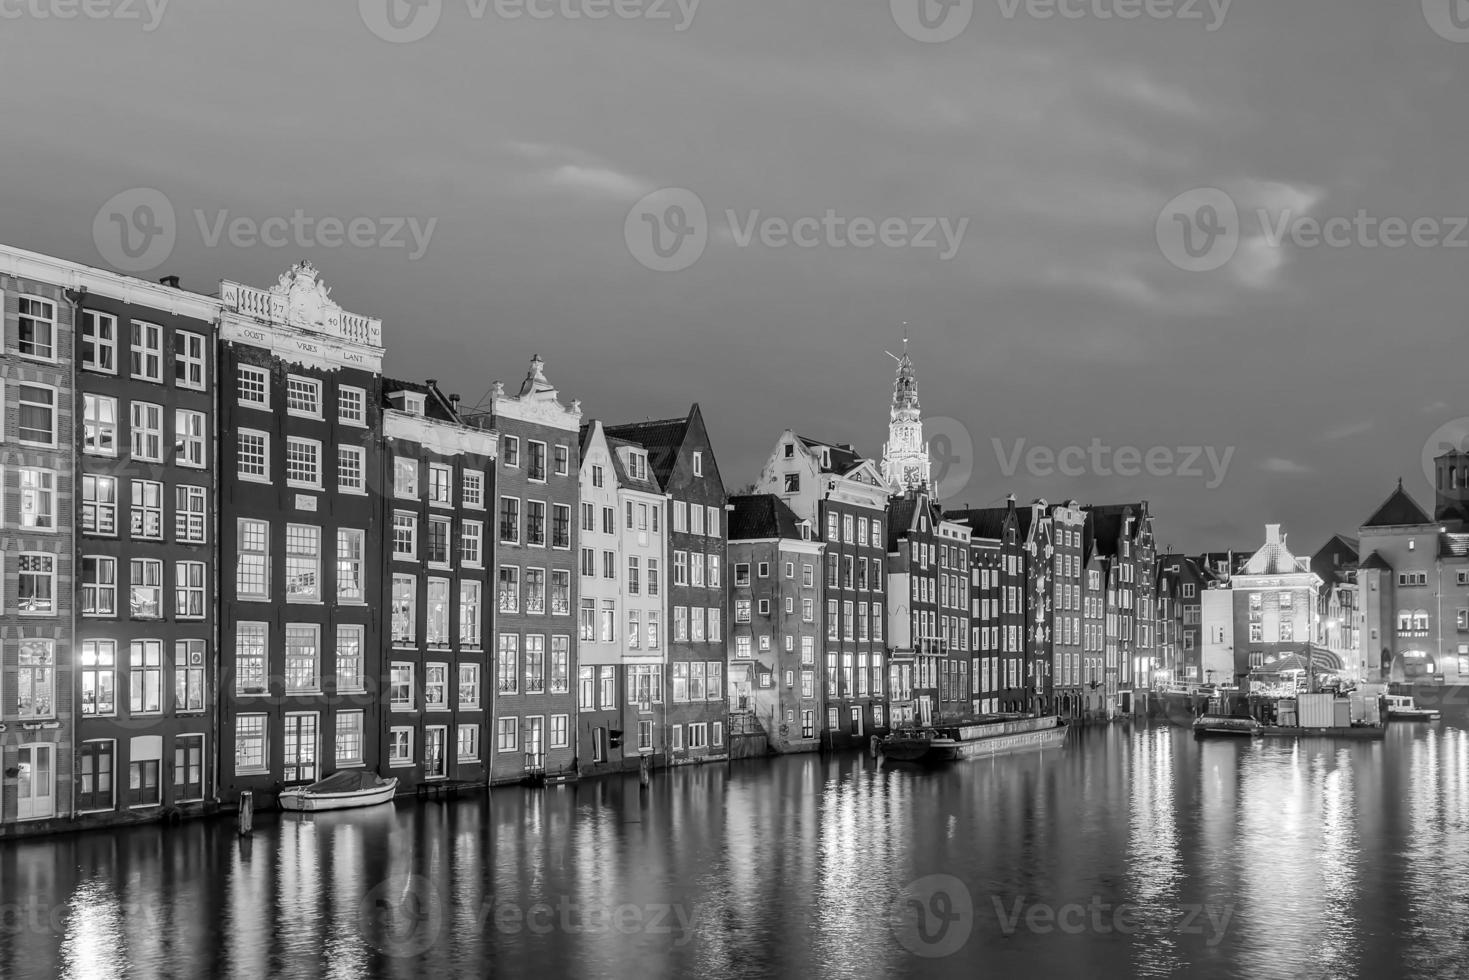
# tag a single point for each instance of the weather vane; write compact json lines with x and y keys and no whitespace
{"x":905,"y":345}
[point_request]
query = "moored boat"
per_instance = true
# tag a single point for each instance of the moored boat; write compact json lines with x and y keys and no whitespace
{"x":1400,"y":707}
{"x":1227,"y":725}
{"x":982,"y":738}
{"x":341,"y":791}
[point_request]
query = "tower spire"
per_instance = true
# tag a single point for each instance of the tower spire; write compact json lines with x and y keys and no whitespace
{"x":905,"y":463}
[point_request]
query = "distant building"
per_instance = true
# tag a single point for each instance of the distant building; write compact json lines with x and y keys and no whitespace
{"x":905,"y":462}
{"x":776,"y":590}
{"x":843,"y":496}
{"x":1187,"y":586}
{"x":1274,"y":596}
{"x":1339,"y":610}
{"x":928,"y":612}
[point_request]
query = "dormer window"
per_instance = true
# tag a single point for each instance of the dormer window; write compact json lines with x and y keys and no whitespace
{"x":805,"y":531}
{"x":826,"y":459}
{"x":637,"y":464}
{"x":413,"y":403}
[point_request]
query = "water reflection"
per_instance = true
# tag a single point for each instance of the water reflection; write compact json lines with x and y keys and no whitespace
{"x":1132,"y":852}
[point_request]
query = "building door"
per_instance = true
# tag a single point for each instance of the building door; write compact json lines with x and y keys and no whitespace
{"x":599,"y":745}
{"x":301,"y":748}
{"x":36,"y":782}
{"x":188,"y":768}
{"x":925,"y":710}
{"x":535,"y":746}
{"x":856,"y":725}
{"x":435,"y":738}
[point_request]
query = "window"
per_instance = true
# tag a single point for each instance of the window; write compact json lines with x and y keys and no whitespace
{"x":188,"y":583}
{"x":99,"y":586}
{"x":405,"y":478}
{"x":653,"y":575}
{"x":535,"y":468}
{"x":563,"y":461}
{"x":147,"y":588}
{"x":99,"y":428}
{"x":510,"y":452}
{"x":405,"y":599}
{"x":469,"y":686}
{"x":405,"y":536}
{"x":438,"y":540}
{"x":714,"y":634}
{"x":37,"y":499}
{"x":608,"y":632}
{"x":680,"y":568}
{"x":349,"y":738}
{"x":698,"y":464}
{"x":253,"y":456}
{"x":99,"y":676}
{"x":535,"y":591}
{"x":351,"y":405}
{"x":793,"y":482}
{"x":349,"y":659}
{"x":713,"y":577}
{"x":303,"y":463}
{"x":560,"y":726}
{"x":147,"y":431}
{"x":188,"y":360}
{"x":36,"y":415}
{"x":509,"y":591}
{"x":652,"y":629}
{"x":303,"y":563}
{"x":188,"y":675}
{"x":535,"y":523}
{"x":37,"y":333}
{"x":742,"y":610}
{"x":147,"y":510}
{"x":250,"y":744}
{"x":712,"y":524}
{"x":696,"y":519}
{"x":509,"y":520}
{"x":254,"y":387}
{"x":471,"y":543}
{"x":440,"y":485}
{"x":400,"y":686}
{"x":145,"y":677}
{"x":400,"y":747}
{"x":560,"y":592}
{"x":586,"y":684}
{"x":436,"y":687}
{"x":351,"y":545}
{"x":505,"y":732}
{"x":189,"y":515}
{"x":250,"y":658}
{"x":698,"y":731}
{"x":303,"y":397}
{"x":436,"y":613}
{"x":588,"y":620}
{"x":472,"y":492}
{"x":99,"y":505}
{"x":147,"y":351}
{"x":535,"y":664}
{"x":99,"y":341}
{"x":507,"y":660}
{"x":188,"y":438}
{"x":35,"y":680}
{"x":560,"y":526}
{"x":252,"y":573}
{"x":468,"y":743}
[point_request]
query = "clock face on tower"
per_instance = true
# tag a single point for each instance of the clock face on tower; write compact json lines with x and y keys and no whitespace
{"x":911,"y":474}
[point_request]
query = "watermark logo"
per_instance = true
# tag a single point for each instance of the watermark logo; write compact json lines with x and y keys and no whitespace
{"x":950,"y":456}
{"x":932,"y":21}
{"x":1198,"y":231}
{"x":150,"y":12}
{"x":668,"y":230}
{"x":1451,"y":437}
{"x":1448,"y":18}
{"x":402,"y":916}
{"x":401,"y":21}
{"x":136,"y":229}
{"x":1208,"y":464}
{"x":1101,"y":918}
{"x":933,"y":916}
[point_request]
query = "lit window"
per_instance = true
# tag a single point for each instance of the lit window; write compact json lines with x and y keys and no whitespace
{"x":303,"y":563}
{"x":99,"y":341}
{"x":147,"y":588}
{"x":147,"y":351}
{"x":99,"y":427}
{"x":36,"y":583}
{"x":189,"y":514}
{"x":188,"y":360}
{"x":188,"y":438}
{"x":37,"y":499}
{"x":37,"y":328}
{"x":147,"y":430}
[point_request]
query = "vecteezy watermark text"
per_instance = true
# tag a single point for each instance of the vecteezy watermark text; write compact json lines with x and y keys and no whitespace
{"x":1099,"y":917}
{"x":668,"y":230}
{"x":937,"y":21}
{"x":405,"y":21}
{"x":150,"y":12}
{"x":1205,"y":463}
{"x":136,"y":230}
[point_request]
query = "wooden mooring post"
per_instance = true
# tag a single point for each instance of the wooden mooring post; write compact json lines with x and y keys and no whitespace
{"x":645,"y":772}
{"x":247,"y":813}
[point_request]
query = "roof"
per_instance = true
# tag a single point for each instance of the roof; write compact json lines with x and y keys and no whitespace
{"x":1108,"y":520}
{"x":842,"y":457}
{"x":624,"y":475}
{"x":762,"y":515}
{"x":1376,"y":561}
{"x":983,"y":522}
{"x":661,"y":438}
{"x":1398,"y":510}
{"x":435,"y":404}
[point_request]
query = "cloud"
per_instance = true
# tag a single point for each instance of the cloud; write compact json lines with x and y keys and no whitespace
{"x":1284,"y":467}
{"x":598,"y":181}
{"x":1349,"y":430}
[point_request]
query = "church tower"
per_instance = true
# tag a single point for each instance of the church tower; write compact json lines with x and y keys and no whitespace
{"x":905,"y":457}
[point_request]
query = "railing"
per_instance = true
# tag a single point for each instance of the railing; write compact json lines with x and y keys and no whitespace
{"x":745,"y":723}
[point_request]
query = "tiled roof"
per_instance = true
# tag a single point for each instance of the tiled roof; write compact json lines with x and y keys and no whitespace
{"x":661,"y":438}
{"x":1453,"y":545}
{"x":983,"y":522}
{"x":842,"y":457}
{"x":435,"y":405}
{"x":1375,"y":560}
{"x":624,"y":475}
{"x":762,"y":515}
{"x":1398,"y":510}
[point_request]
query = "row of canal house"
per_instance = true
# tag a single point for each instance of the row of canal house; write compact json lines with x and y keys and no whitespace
{"x":238,"y":557}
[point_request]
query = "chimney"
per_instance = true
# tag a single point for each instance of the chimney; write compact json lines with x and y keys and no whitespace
{"x":432,"y":382}
{"x":172,"y":282}
{"x":1272,"y":534}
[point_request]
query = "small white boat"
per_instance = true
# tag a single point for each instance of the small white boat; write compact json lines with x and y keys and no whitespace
{"x":340,"y":791}
{"x":1400,"y":707}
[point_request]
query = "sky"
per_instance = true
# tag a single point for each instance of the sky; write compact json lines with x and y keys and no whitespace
{"x":1096,"y":217}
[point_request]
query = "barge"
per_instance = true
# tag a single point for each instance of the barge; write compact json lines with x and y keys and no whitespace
{"x":982,"y":738}
{"x":1226,"y":725}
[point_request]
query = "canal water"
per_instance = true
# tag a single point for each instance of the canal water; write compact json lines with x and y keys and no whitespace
{"x":1135,"y":851}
